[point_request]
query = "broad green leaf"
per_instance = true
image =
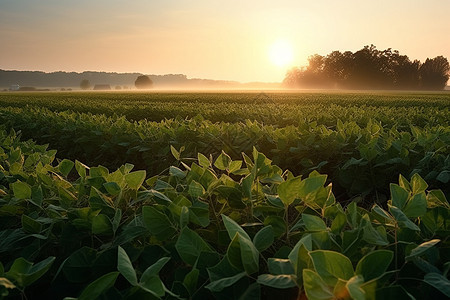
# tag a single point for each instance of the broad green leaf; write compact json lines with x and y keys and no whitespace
{"x":315,"y":287}
{"x":101,"y":224}
{"x":174,"y":171}
{"x":21,"y":190}
{"x":438,"y":281}
{"x":37,"y":195}
{"x":279,"y":266}
{"x":175,"y":153}
{"x":25,"y":273}
{"x":184,"y":216}
{"x":403,"y":182}
{"x":264,"y":238}
{"x":203,"y":160}
{"x":154,"y":269}
{"x":81,"y":168}
{"x":233,"y":227}
{"x":374,"y":236}
{"x":331,"y":265}
{"x":135,"y":179}
{"x":243,"y":255}
{"x":189,"y":246}
{"x":196,"y":189}
{"x":219,"y":285}
{"x":235,"y":165}
{"x":306,"y":241}
{"x":223,"y":161}
{"x":29,"y":225}
{"x":374,"y":264}
{"x":422,"y":248}
{"x":157,"y":223}
{"x":437,"y":198}
{"x":65,"y":166}
{"x":288,"y":191}
{"x":99,"y":286}
{"x":416,"y":206}
{"x":249,"y":255}
{"x":125,"y":267}
{"x":153,"y":285}
{"x":402,"y":219}
{"x":310,"y":186}
{"x":112,"y":188}
{"x":190,"y":280}
{"x":277,"y":281}
{"x":313,"y":223}
{"x":354,"y":287}
{"x":399,"y":195}
{"x":418,"y":185}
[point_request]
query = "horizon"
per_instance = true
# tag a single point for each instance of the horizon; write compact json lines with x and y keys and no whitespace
{"x":245,"y":42}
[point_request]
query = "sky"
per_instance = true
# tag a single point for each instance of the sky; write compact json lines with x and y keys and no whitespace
{"x":211,"y":39}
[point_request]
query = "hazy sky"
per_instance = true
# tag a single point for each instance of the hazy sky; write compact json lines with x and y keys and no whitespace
{"x":209,"y":38}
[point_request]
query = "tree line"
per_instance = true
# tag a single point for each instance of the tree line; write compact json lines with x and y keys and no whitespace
{"x":370,"y":68}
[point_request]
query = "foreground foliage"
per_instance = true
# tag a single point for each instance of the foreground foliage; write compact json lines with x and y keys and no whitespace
{"x":222,"y":228}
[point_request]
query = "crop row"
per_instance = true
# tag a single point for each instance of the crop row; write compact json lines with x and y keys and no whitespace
{"x":214,"y":228}
{"x":279,"y":109}
{"x":360,"y":160}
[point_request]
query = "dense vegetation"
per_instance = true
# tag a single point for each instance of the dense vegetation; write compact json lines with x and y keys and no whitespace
{"x":370,"y":68}
{"x":280,"y":109}
{"x":221,"y":195}
{"x":210,"y":228}
{"x":361,"y":160}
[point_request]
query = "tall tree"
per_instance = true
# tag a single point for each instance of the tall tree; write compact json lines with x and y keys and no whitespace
{"x":434,"y":73}
{"x":143,"y":82}
{"x":85,"y":84}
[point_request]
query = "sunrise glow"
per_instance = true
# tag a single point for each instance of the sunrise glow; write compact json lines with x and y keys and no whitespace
{"x":281,"y":53}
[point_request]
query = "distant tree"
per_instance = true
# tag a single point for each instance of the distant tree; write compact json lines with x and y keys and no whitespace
{"x":370,"y":68}
{"x":85,"y":84}
{"x":434,"y":73}
{"x":143,"y":82}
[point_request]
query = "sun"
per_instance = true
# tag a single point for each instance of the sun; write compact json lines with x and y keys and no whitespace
{"x":281,"y":53}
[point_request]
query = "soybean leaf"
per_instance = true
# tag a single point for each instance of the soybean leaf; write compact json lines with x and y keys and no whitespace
{"x":422,"y":248}
{"x":439,"y":282}
{"x":418,"y":185}
{"x":399,"y":195}
{"x":315,"y":287}
{"x":233,"y":227}
{"x":354,"y":287}
{"x":219,"y":285}
{"x":135,"y":179}
{"x":313,"y":223}
{"x":25,"y":273}
{"x":374,"y":264}
{"x":157,"y":223}
{"x":288,"y":190}
{"x":189,"y":246}
{"x":416,"y":206}
{"x":277,"y":281}
{"x":125,"y":267}
{"x":21,"y":190}
{"x":402,"y":219}
{"x":279,"y":266}
{"x":97,"y":287}
{"x":65,"y":166}
{"x":331,"y":265}
{"x":264,"y":238}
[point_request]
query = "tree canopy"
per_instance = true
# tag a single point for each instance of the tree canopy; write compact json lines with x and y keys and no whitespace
{"x":370,"y":68}
{"x":143,"y":82}
{"x":85,"y":84}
